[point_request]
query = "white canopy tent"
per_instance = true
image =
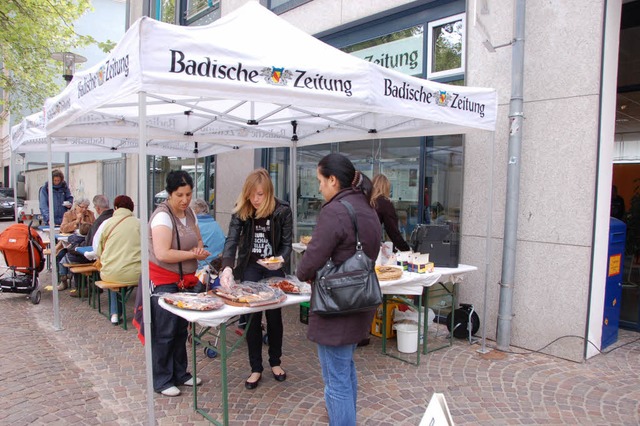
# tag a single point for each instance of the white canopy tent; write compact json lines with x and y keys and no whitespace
{"x":249,"y":80}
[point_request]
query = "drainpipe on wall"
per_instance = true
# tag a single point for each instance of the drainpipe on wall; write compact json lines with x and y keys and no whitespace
{"x":516,"y":117}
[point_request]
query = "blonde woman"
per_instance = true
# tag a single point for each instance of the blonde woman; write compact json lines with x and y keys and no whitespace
{"x":386,"y":212}
{"x":261,"y":226}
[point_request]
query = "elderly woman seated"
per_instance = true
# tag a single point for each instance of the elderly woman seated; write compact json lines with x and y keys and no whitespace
{"x":79,"y":214}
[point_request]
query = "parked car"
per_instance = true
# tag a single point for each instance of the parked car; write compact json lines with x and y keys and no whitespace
{"x":7,"y":207}
{"x":8,"y":192}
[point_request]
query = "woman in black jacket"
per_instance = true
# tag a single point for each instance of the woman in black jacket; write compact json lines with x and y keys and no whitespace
{"x":386,"y":212}
{"x":334,"y":238}
{"x":261,"y":227}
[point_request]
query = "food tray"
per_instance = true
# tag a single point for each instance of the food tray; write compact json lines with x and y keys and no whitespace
{"x":388,"y":272}
{"x":289,"y":284}
{"x":250,"y":294}
{"x":269,"y":261}
{"x":193,"y":301}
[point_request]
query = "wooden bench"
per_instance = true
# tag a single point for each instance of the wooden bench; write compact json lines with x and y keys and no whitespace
{"x":47,"y":253}
{"x":88,"y":275}
{"x":122,"y":291}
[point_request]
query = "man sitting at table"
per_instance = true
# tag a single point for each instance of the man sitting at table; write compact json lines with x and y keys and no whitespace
{"x":101,"y":206}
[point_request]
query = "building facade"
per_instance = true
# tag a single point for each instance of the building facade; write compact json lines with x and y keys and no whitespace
{"x":565,"y":158}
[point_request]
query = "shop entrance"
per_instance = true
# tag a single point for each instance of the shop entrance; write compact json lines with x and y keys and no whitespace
{"x":626,"y":167}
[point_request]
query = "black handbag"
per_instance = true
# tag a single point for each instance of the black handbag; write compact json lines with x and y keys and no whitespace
{"x":351,"y":287}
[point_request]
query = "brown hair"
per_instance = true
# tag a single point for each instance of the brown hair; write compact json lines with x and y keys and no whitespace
{"x":381,"y":188}
{"x":244,"y":209}
{"x":123,"y":201}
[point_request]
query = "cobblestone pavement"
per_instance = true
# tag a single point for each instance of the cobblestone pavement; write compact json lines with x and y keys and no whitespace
{"x":93,"y":373}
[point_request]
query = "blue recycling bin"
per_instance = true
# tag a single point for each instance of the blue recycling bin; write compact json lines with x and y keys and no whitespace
{"x":613,"y":288}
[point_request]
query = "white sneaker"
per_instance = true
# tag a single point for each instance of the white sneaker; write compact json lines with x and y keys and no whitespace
{"x":172,"y":391}
{"x":114,"y":319}
{"x":190,"y":382}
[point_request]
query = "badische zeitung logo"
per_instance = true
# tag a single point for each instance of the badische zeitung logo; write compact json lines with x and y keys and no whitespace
{"x":277,"y":76}
{"x":440,"y":98}
{"x":108,"y":71}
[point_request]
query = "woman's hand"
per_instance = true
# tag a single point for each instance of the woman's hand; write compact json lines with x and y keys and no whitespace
{"x":226,"y":278}
{"x":200,"y":253}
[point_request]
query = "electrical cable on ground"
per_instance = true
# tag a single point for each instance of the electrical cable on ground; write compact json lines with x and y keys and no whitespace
{"x":531,"y":351}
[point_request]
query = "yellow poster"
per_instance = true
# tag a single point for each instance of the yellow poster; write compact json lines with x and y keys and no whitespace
{"x":614,"y":264}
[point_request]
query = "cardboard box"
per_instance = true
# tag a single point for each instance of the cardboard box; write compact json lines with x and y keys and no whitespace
{"x":376,"y":324}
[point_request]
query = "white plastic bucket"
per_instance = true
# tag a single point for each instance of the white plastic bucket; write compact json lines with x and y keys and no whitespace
{"x":407,"y":337}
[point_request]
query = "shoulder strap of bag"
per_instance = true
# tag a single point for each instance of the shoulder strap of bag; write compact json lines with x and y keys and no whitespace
{"x":175,"y":227}
{"x":354,"y":220}
{"x":107,"y":237}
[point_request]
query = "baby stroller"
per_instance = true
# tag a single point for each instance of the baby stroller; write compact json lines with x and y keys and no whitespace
{"x":21,"y":247}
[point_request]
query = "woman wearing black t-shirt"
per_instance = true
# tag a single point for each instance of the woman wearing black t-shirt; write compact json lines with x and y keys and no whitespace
{"x":261,"y":226}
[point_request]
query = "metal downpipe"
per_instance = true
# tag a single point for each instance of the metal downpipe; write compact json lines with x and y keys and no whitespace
{"x":516,"y":117}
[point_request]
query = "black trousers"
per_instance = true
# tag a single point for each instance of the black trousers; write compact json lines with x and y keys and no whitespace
{"x":168,"y":344}
{"x":255,"y":272}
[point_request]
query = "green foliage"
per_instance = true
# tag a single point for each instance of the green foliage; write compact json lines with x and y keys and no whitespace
{"x":168,"y":11}
{"x":448,"y":47}
{"x":30,"y":31}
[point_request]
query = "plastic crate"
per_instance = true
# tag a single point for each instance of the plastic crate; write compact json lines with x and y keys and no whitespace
{"x":376,"y":324}
{"x":304,"y":312}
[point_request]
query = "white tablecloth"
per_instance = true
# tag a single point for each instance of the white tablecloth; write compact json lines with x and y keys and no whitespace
{"x":409,"y":284}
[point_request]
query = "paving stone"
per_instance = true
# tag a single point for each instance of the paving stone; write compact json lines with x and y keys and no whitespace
{"x":93,"y":373}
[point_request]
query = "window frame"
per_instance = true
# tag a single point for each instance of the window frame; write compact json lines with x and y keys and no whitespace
{"x":437,"y":75}
{"x":286,"y":6}
{"x":188,"y":21}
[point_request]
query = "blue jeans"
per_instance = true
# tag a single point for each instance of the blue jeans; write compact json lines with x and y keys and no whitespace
{"x":113,"y":302}
{"x":340,"y":383}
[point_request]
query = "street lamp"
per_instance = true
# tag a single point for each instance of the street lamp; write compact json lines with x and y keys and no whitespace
{"x":69,"y":61}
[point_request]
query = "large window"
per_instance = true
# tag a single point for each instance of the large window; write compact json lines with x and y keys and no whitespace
{"x":401,"y":51}
{"x":444,"y":160}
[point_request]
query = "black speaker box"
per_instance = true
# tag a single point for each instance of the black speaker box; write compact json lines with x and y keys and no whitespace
{"x":442,"y":244}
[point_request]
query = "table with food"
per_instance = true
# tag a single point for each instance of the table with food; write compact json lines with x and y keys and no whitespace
{"x":220,"y":308}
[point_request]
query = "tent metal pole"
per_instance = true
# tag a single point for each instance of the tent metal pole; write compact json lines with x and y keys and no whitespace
{"x":52,"y":245}
{"x":144,"y":251}
{"x":293,"y":160}
{"x":516,"y":118}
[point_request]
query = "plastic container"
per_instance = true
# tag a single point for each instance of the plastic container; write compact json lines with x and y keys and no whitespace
{"x":407,"y":337}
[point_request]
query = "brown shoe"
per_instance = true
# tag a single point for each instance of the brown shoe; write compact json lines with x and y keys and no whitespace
{"x":63,"y":284}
